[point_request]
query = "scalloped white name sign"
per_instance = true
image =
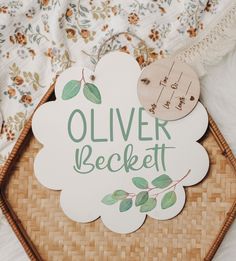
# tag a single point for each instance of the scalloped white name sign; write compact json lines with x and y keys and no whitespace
{"x":107,"y":156}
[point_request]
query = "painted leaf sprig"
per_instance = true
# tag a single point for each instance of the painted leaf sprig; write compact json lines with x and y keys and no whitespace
{"x":168,"y":200}
{"x":162,"y":181}
{"x":109,"y":200}
{"x":149,"y":205}
{"x":119,"y":195}
{"x":146,"y":199}
{"x":71,"y":89}
{"x":90,"y":90}
{"x":92,"y":93}
{"x":141,"y":198}
{"x":125,"y":204}
{"x":140,"y":183}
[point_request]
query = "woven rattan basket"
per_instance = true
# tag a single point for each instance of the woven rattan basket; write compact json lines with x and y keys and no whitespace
{"x":47,"y":234}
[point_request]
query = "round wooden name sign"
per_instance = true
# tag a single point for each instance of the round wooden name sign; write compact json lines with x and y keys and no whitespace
{"x":168,"y":89}
{"x":110,"y":158}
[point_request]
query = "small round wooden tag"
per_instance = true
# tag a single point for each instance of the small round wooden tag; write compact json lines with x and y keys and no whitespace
{"x":168,"y":89}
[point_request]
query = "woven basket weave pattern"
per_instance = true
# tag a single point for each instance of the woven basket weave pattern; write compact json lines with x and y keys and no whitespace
{"x":188,"y":236}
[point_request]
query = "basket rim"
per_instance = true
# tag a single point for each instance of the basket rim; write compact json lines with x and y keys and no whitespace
{"x":18,"y":228}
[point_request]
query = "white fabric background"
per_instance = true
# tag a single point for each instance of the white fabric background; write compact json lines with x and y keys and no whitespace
{"x":218,"y":95}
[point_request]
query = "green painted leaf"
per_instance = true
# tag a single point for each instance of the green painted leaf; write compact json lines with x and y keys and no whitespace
{"x":141,"y":198}
{"x":162,"y":181}
{"x":149,"y":205}
{"x":126,"y":204}
{"x":71,"y":89}
{"x":109,"y":200}
{"x":168,"y":200}
{"x":120,"y":194}
{"x":92,"y":93}
{"x":140,"y":182}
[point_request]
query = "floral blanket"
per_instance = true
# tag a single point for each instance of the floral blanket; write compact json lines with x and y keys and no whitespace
{"x":41,"y":38}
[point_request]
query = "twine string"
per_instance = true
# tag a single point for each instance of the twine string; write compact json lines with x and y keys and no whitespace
{"x":112,"y":39}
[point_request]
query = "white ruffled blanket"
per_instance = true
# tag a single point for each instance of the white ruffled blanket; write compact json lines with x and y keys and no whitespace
{"x":41,"y":38}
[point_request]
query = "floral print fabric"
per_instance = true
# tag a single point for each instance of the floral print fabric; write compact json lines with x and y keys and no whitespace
{"x":39,"y":39}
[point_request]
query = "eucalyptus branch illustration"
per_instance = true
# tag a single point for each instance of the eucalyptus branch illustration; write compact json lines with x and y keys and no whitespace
{"x":90,"y":90}
{"x":147,"y":198}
